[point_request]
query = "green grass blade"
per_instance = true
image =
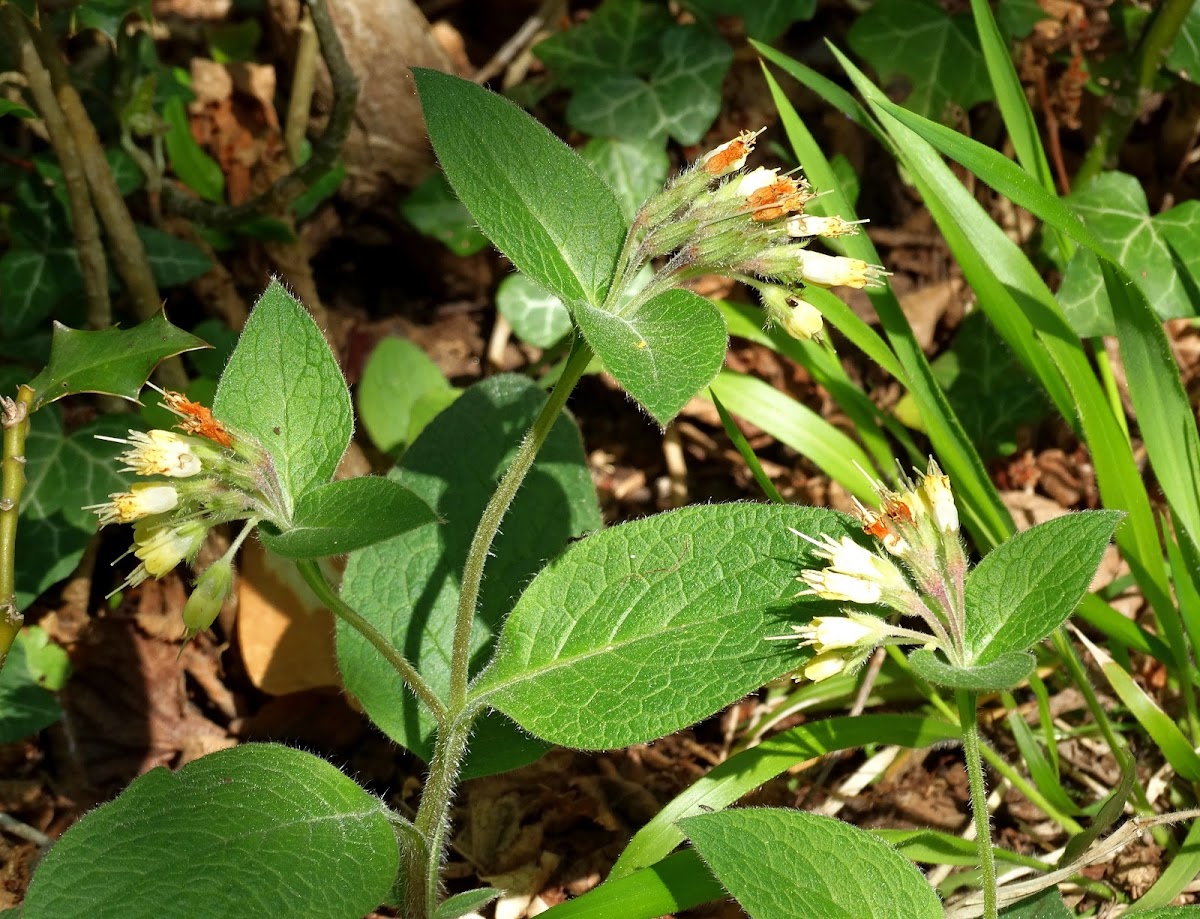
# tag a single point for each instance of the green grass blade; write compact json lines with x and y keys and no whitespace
{"x":1010,"y":96}
{"x":1164,"y":732}
{"x":739,"y":442}
{"x":1168,"y":427}
{"x":679,"y":881}
{"x":1040,"y":769}
{"x":841,"y":100}
{"x":797,"y":426}
{"x":933,"y":847}
{"x":747,"y":770}
{"x":743,"y":321}
{"x":1120,"y":482}
{"x":983,"y":513}
{"x":1184,"y":869}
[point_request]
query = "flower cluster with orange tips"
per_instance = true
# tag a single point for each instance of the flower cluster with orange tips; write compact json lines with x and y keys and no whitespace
{"x":718,"y":218}
{"x":207,"y":475}
{"x":920,"y":572}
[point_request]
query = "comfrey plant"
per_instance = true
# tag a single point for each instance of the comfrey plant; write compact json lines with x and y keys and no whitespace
{"x":580,"y":636}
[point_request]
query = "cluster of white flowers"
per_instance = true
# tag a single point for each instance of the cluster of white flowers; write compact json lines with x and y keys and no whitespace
{"x":209,"y":475}
{"x":716,"y":218}
{"x":918,"y":527}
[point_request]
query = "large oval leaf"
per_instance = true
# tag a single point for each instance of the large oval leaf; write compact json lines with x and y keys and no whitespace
{"x":806,"y":866}
{"x":259,"y":830}
{"x":408,"y":587}
{"x":533,"y":196}
{"x":662,"y":354}
{"x":283,"y":386}
{"x":648,"y":627}
{"x":1026,"y":588}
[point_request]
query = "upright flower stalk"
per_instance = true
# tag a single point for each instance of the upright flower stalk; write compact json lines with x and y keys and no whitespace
{"x":918,"y":570}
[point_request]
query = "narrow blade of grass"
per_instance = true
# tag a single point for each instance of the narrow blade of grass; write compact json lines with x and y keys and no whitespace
{"x":747,"y":453}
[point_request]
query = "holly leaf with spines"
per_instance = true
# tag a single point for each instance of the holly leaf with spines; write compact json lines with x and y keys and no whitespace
{"x":808,"y":865}
{"x":255,"y":830}
{"x":115,"y":362}
{"x":680,"y":97}
{"x":1159,"y":252}
{"x":340,"y":517}
{"x":937,"y":53}
{"x":283,"y":387}
{"x":607,"y":646}
{"x":408,"y":587}
{"x":532,"y":195}
{"x":663,"y":353}
{"x":1026,"y":587}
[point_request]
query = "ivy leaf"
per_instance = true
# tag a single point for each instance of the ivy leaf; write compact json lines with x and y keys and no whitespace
{"x":173,"y":261}
{"x":621,"y":36}
{"x":680,"y":97}
{"x":1026,"y":587}
{"x":26,"y":706}
{"x":635,"y":168}
{"x":63,"y":474}
{"x":939,"y":54}
{"x":195,"y":168}
{"x":408,"y":587}
{"x":536,"y":315}
{"x":532,"y":195}
{"x":766,"y":19}
{"x":1184,"y":57}
{"x":664,"y":353}
{"x":113,"y":361}
{"x":48,"y":549}
{"x":33,"y":282}
{"x":352,"y":514}
{"x":434,"y":210}
{"x":8,"y":107}
{"x":283,"y":386}
{"x":605,"y":647}
{"x":400,"y":392}
{"x":990,"y":392}
{"x":808,"y":865}
{"x":258,"y":829}
{"x":1154,"y":250}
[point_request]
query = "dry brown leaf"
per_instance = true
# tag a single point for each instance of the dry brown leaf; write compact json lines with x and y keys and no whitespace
{"x":284,"y":634}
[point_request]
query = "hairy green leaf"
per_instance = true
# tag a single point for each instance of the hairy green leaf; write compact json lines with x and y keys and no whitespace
{"x":1005,"y":672}
{"x":256,"y":830}
{"x":808,"y":865}
{"x":283,"y":386}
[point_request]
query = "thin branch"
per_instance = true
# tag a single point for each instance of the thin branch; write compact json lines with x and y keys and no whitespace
{"x":325,"y":149}
{"x":83,"y":218}
{"x":304,"y":78}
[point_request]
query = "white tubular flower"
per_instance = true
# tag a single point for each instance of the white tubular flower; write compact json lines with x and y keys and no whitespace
{"x":829,"y":633}
{"x":838,"y":271}
{"x":825,"y":665}
{"x":161,"y":547}
{"x":158,"y":453}
{"x":804,"y":321}
{"x":939,"y":500}
{"x":142,"y":500}
{"x":855,"y":575}
{"x":802,"y":225}
{"x":756,"y":180}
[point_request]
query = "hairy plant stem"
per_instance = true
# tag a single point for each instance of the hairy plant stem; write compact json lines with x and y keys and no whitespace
{"x":493,"y":514}
{"x":315,"y":578}
{"x":967,"y":718}
{"x":12,"y":483}
{"x":422,"y":865}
